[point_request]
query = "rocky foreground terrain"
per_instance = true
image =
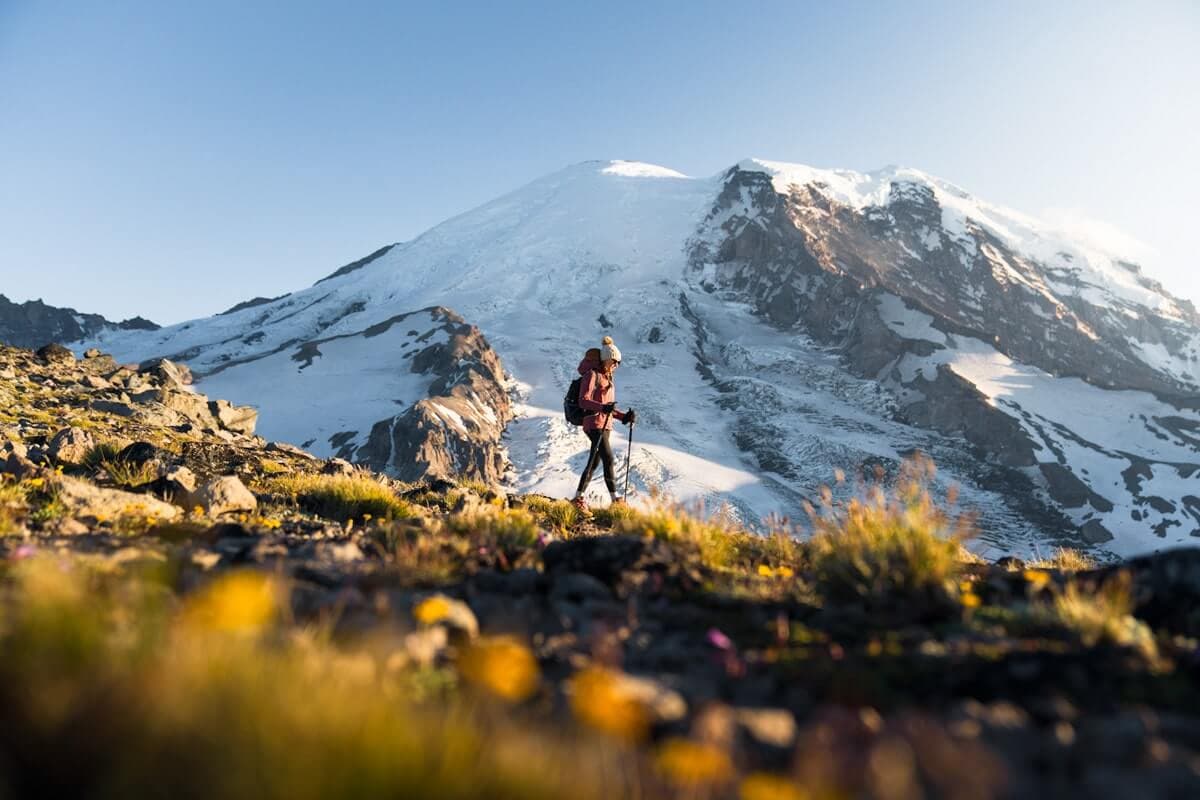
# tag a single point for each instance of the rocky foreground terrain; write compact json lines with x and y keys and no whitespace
{"x":189,"y":609}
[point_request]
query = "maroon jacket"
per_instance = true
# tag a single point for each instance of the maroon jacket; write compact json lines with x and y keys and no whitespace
{"x":596,"y":391}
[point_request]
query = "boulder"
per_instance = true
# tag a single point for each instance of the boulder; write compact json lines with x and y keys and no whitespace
{"x":239,"y":419}
{"x":17,"y":465}
{"x":121,"y":409}
{"x":225,"y":495}
{"x":290,"y":449}
{"x":167,"y":373}
{"x":91,"y":353}
{"x":96,"y":382}
{"x":55,"y":353}
{"x":71,"y":446}
{"x":92,"y":504}
{"x":337,"y":466}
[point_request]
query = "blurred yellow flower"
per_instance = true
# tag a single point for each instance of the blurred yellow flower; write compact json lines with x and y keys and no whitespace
{"x":765,"y":571}
{"x":1036,"y":577}
{"x":690,"y":763}
{"x":764,"y":786}
{"x":599,"y":703}
{"x":432,"y":610}
{"x":785,"y":572}
{"x":239,"y":602}
{"x":502,"y":666}
{"x":970,"y":600}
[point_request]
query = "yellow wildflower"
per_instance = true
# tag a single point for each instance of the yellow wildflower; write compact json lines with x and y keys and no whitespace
{"x":241,"y":601}
{"x":502,"y":666}
{"x":432,"y":610}
{"x":765,"y":786}
{"x":599,"y":703}
{"x":1037,"y":578}
{"x":689,"y":763}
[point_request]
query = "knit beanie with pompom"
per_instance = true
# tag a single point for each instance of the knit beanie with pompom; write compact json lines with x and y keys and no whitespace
{"x":609,"y":351}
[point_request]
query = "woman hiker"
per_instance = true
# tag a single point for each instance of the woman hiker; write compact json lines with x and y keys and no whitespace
{"x":597,"y":396}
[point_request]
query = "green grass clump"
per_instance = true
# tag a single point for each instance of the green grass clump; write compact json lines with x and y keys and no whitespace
{"x":558,"y":514}
{"x":100,"y":454}
{"x":514,"y":531}
{"x":342,"y":498}
{"x":126,"y":473}
{"x":883,"y":549}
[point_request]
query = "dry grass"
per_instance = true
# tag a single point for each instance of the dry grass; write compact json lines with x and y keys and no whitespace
{"x":558,"y":514}
{"x":885,"y":548}
{"x":342,"y":498}
{"x":1065,"y":559}
{"x":511,"y":532}
{"x":1096,"y":616}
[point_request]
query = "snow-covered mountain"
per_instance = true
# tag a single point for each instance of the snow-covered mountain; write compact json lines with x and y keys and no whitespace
{"x":778,"y":322}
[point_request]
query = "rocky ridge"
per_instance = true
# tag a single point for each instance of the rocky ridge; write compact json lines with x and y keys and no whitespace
{"x":723,"y":662}
{"x":33,"y":324}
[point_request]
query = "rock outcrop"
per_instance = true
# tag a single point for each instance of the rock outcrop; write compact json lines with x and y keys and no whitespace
{"x":33,"y":324}
{"x":456,"y":430}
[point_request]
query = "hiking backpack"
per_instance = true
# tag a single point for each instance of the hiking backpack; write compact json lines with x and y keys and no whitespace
{"x":571,"y":409}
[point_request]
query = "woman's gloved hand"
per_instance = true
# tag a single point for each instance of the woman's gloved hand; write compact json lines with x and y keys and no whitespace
{"x":630,"y":417}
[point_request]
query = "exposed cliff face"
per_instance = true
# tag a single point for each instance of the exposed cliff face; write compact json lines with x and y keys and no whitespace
{"x":456,"y":430}
{"x":33,"y":324}
{"x":918,"y":295}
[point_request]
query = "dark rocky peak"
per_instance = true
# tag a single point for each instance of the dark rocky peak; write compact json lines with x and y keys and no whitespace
{"x":33,"y":324}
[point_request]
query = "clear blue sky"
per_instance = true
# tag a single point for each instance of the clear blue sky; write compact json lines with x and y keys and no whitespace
{"x":171,"y":159}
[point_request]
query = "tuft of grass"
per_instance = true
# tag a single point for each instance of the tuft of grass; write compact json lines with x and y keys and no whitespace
{"x":269,"y":467}
{"x":342,"y":498}
{"x":558,"y":514}
{"x":475,"y":485}
{"x":13,"y":503}
{"x":885,"y":548}
{"x":126,"y":473}
{"x":424,"y":556}
{"x":100,"y":454}
{"x":512,"y":531}
{"x":1103,"y":616}
{"x":1065,"y":559}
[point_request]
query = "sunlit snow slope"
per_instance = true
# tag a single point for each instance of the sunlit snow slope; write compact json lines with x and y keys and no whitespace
{"x":778,"y":322}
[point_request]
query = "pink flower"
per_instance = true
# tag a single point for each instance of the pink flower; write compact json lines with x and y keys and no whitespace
{"x":719,"y":640}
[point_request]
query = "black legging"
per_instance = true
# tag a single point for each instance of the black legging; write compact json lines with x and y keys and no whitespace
{"x":601,"y":451}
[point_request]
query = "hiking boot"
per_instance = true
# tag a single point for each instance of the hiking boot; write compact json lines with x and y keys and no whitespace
{"x":581,"y":504}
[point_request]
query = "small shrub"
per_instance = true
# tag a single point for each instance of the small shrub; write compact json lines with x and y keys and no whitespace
{"x":342,"y":498}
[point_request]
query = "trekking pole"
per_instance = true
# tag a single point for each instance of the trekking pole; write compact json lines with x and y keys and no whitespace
{"x":628,"y":454}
